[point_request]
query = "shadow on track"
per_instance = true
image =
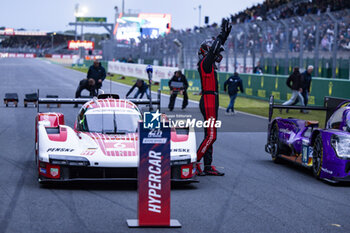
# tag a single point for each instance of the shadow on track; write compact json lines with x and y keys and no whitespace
{"x":106,"y":185}
{"x":302,"y":171}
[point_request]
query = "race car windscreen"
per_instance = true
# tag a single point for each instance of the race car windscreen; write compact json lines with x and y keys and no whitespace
{"x":111,"y":123}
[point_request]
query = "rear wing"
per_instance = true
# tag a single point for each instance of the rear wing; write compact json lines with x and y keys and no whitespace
{"x":330,"y":105}
{"x":84,"y":100}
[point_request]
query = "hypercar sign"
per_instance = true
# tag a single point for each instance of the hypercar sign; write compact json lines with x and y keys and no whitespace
{"x":76,"y":44}
{"x":154,"y":176}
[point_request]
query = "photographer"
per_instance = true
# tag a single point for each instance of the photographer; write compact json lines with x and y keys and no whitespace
{"x":178,"y":84}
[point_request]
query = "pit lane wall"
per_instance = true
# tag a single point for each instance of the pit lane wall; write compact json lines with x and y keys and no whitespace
{"x":139,"y":70}
{"x":262,"y":86}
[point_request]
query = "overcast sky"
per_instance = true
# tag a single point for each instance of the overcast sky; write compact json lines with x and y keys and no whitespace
{"x":54,"y":15}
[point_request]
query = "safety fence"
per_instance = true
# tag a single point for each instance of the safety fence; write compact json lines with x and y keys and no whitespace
{"x":324,"y":68}
{"x":321,"y":40}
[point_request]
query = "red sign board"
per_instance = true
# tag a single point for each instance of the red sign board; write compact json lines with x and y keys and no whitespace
{"x":76,"y":44}
{"x":9,"y":31}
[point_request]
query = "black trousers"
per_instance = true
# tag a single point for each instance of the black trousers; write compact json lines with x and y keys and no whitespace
{"x":209,"y":105}
{"x":84,"y":85}
{"x":173,"y":98}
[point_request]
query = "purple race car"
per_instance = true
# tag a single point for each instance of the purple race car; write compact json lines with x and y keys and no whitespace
{"x":325,"y":151}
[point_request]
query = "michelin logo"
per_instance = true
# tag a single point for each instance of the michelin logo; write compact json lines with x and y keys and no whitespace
{"x":151,"y":120}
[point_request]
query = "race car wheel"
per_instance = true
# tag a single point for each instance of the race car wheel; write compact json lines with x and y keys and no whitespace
{"x":274,"y":142}
{"x":317,"y":157}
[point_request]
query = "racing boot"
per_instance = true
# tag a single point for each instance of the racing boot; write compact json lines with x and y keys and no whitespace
{"x":212,"y":171}
{"x":199,"y":171}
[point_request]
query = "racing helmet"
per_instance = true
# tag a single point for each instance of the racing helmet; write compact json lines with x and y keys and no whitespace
{"x":204,"y":49}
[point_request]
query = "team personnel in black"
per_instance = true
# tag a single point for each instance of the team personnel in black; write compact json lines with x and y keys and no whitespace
{"x":232,"y":84}
{"x":98,"y":73}
{"x":178,"y":78}
{"x":142,"y":88}
{"x":209,"y":53}
{"x":95,"y":75}
{"x":86,"y":84}
{"x":306,"y":84}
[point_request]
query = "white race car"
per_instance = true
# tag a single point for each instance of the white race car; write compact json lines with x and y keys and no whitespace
{"x":103,"y":144}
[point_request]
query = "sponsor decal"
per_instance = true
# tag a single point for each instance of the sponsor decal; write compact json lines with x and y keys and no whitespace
{"x":185,"y":172}
{"x":285,"y":131}
{"x":305,"y":155}
{"x":154,"y":140}
{"x":42,"y":170}
{"x":184,"y":150}
{"x":54,"y":171}
{"x":60,"y":150}
{"x":89,"y":152}
{"x":326,"y":170}
{"x":155,"y":133}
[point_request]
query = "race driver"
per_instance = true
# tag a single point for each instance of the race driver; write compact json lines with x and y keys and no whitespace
{"x":209,"y":54}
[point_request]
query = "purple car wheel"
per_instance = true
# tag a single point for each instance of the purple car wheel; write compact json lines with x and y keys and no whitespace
{"x":317,"y":157}
{"x":274,"y":143}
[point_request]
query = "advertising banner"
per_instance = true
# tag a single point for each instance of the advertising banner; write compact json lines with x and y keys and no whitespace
{"x":194,"y":85}
{"x":92,"y":19}
{"x":139,"y":70}
{"x":18,"y":55}
{"x":76,"y":44}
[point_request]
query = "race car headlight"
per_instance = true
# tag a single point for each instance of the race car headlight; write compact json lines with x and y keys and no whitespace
{"x":68,"y":160}
{"x":341,"y":145}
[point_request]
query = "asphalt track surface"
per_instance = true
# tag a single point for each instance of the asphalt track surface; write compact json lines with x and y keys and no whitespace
{"x":255,"y":195}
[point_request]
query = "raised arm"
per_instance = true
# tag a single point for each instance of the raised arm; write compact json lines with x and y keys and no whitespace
{"x":215,"y":49}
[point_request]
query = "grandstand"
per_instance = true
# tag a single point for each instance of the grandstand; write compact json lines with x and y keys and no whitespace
{"x":278,"y":33}
{"x":37,"y":42}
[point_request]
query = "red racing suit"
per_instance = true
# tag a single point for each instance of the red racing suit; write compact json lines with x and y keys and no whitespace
{"x":209,"y":102}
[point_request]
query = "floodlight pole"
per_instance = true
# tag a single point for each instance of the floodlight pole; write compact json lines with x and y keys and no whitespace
{"x":181,"y":61}
{"x":52,"y":41}
{"x":200,"y":11}
{"x":82,"y":32}
{"x":75,"y":15}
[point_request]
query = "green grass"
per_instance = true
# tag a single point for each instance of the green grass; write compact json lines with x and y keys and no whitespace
{"x":248,"y":105}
